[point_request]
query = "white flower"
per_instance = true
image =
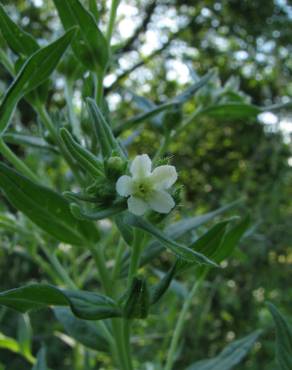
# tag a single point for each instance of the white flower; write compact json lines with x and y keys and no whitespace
{"x":146,"y":189}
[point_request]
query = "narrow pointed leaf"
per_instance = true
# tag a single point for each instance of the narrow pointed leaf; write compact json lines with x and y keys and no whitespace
{"x":230,"y":356}
{"x":208,"y":244}
{"x":82,"y":156}
{"x":83,"y":214}
{"x":188,"y":93}
{"x":85,"y":305}
{"x":46,"y":208}
{"x":283,"y":339}
{"x":37,"y":68}
{"x":158,"y":290}
{"x":90,"y":46}
{"x":17,"y":39}
{"x":231,"y":240}
{"x":178,"y":249}
{"x":104,"y":134}
{"x":84,"y":331}
{"x":231,"y":111}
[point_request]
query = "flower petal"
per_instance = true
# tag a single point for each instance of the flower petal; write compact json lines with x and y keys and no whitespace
{"x":141,"y":166}
{"x":163,"y":177}
{"x":137,"y":206}
{"x":161,"y":201}
{"x":124,"y":186}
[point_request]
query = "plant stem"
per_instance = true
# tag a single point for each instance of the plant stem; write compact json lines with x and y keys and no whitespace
{"x":118,"y":259}
{"x":109,"y":290}
{"x":16,"y":162}
{"x":134,"y":266}
{"x":180,"y":322}
{"x":111,"y":24}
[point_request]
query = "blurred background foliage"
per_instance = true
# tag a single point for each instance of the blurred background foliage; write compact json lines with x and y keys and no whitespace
{"x":160,"y":48}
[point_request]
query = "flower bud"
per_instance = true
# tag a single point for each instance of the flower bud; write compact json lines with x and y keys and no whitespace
{"x":115,"y":166}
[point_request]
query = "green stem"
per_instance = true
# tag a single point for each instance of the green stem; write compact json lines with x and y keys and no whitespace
{"x":99,"y":259}
{"x":111,"y":24}
{"x":134,"y":266}
{"x":16,"y":162}
{"x":180,"y":322}
{"x":118,"y":260}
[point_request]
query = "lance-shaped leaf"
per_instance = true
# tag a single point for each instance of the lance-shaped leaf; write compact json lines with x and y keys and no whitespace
{"x":84,"y":331}
{"x":103,"y":132}
{"x":178,"y":249}
{"x":283,"y":339}
{"x":37,"y":68}
{"x":158,"y":290}
{"x":28,"y":140}
{"x":85,"y":305}
{"x":99,"y":214}
{"x":12,"y":345}
{"x":46,"y":208}
{"x":230,"y":240}
{"x":83,"y":157}
{"x":190,"y":91}
{"x":175,"y":231}
{"x":41,"y":363}
{"x":231,"y":111}
{"x":230,"y":356}
{"x":18,"y":40}
{"x":152,"y":111}
{"x":137,"y":302}
{"x":208,"y":244}
{"x":90,"y":46}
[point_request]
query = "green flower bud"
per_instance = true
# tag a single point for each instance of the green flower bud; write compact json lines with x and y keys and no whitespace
{"x":115,"y":166}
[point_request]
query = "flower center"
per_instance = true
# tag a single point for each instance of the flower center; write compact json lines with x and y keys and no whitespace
{"x":142,"y":188}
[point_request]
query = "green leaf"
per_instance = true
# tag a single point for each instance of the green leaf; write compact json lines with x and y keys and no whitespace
{"x":152,"y":110}
{"x":83,"y":331}
{"x":83,"y":157}
{"x":85,"y":305}
{"x":137,"y":302}
{"x":93,"y":215}
{"x":189,"y":92}
{"x":46,"y":208}
{"x":37,"y":68}
{"x":208,"y":244}
{"x":90,"y":46}
{"x":230,"y":240}
{"x":180,"y":228}
{"x":12,"y":345}
{"x":230,"y":356}
{"x":283,"y":339}
{"x":41,"y":363}
{"x":28,"y":140}
{"x":17,"y":39}
{"x":231,"y":111}
{"x":103,"y":132}
{"x":158,"y":290}
{"x":178,"y":249}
